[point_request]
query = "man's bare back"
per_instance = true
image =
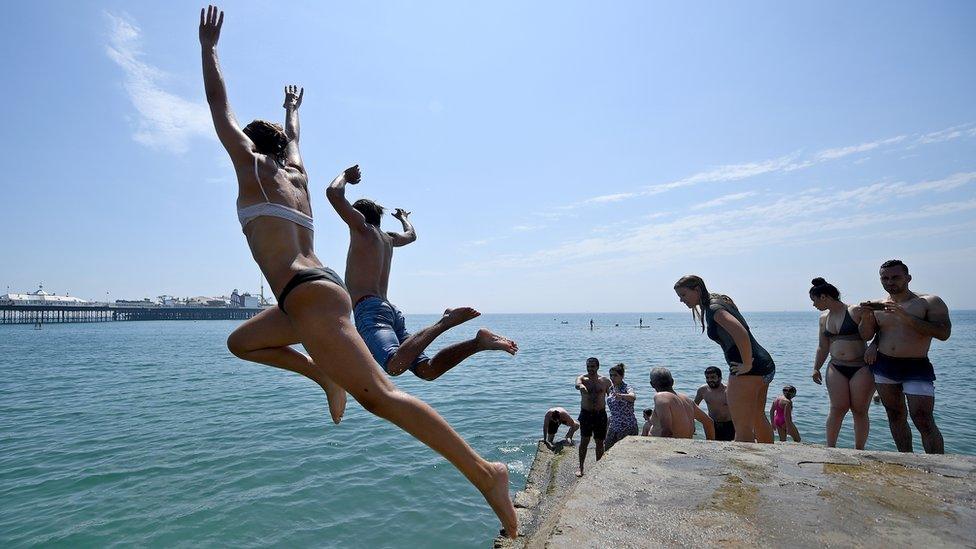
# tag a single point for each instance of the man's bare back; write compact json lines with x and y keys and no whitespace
{"x":368,"y":262}
{"x":676,"y":413}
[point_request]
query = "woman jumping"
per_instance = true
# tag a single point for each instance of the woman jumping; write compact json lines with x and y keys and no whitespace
{"x":313,"y":305}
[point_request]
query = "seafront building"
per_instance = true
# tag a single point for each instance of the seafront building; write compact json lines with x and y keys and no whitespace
{"x":40,"y":307}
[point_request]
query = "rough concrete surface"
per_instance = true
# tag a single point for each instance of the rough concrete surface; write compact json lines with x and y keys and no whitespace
{"x":655,"y":492}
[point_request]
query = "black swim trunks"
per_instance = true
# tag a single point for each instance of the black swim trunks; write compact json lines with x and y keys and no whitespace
{"x":724,"y":430}
{"x":308,"y":275}
{"x":593,"y":423}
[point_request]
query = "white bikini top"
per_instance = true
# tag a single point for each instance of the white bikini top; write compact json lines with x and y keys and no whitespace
{"x":268,"y":208}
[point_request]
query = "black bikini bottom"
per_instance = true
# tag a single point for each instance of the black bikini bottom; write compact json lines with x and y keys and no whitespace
{"x":308,"y":275}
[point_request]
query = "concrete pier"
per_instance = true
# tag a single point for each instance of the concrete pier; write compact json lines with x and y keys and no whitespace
{"x":654,"y":492}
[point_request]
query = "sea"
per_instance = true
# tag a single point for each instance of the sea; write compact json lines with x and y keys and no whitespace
{"x":152,"y":434}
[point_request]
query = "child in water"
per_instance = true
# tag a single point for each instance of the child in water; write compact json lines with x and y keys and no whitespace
{"x":651,"y":427}
{"x":781,"y":414}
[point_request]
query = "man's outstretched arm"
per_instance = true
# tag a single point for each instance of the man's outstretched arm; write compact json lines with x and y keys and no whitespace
{"x":238,"y":145}
{"x":336,"y":193}
{"x":409,"y":234}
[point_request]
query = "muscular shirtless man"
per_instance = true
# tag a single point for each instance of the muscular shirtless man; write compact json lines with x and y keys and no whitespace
{"x":554,"y":418}
{"x":717,"y":401}
{"x":676,"y":412}
{"x":379,"y":322}
{"x":593,"y":390}
{"x":905,"y":323}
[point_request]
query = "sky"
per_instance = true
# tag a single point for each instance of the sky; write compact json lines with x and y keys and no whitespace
{"x":557,"y":157}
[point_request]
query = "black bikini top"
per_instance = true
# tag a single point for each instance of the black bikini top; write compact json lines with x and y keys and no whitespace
{"x":848,"y":329}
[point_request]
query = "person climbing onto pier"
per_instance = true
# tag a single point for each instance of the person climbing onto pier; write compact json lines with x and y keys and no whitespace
{"x":380,"y":322}
{"x":313,"y":305}
{"x":550,"y":425}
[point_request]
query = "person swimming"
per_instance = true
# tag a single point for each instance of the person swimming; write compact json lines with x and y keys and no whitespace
{"x":850,"y":383}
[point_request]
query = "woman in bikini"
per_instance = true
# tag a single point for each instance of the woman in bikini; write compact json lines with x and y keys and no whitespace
{"x":313,"y":305}
{"x":751,"y":366}
{"x":849,"y":384}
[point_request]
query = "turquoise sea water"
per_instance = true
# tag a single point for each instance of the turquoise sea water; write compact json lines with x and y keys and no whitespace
{"x":152,"y":434}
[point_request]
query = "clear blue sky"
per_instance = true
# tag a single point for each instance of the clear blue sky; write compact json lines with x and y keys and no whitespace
{"x":556,"y":156}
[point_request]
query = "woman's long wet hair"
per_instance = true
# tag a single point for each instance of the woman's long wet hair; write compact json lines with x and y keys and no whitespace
{"x":822,"y":287}
{"x":269,"y":138}
{"x":705,"y":298}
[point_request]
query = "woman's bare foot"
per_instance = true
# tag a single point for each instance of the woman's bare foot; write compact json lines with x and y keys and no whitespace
{"x":336,"y":396}
{"x":496,"y":494}
{"x":459,"y":315}
{"x":488,"y":341}
{"x":579,"y":472}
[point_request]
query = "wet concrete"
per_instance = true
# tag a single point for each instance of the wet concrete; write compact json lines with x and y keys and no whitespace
{"x":653,"y":492}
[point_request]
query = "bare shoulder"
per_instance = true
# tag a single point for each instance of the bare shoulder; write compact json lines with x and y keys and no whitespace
{"x":934,"y":304}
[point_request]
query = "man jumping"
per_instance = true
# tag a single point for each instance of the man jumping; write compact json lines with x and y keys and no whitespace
{"x":379,"y":322}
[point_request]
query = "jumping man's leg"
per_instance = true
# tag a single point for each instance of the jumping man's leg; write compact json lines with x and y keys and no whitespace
{"x":411,"y":347}
{"x":319,"y":312}
{"x":894,"y":402}
{"x":265,"y":338}
{"x":921,"y":408}
{"x":452,"y":355}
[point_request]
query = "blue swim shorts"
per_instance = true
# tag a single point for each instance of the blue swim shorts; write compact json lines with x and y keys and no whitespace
{"x":383,"y":328}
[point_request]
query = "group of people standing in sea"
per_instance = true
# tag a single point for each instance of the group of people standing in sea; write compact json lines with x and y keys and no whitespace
{"x":316,"y":307}
{"x":874,"y":346}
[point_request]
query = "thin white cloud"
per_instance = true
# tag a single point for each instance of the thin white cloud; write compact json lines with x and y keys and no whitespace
{"x":800,"y":217}
{"x":782,"y":164}
{"x":723,"y":200}
{"x":833,"y":154}
{"x":947,"y":134}
{"x":165,"y":120}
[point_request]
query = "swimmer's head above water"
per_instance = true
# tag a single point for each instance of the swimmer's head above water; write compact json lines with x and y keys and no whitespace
{"x":372,"y":211}
{"x":268,"y":137}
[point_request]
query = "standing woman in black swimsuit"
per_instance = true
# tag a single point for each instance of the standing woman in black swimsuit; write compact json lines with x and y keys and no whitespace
{"x":849,"y":384}
{"x":314,"y":307}
{"x":751,"y":366}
